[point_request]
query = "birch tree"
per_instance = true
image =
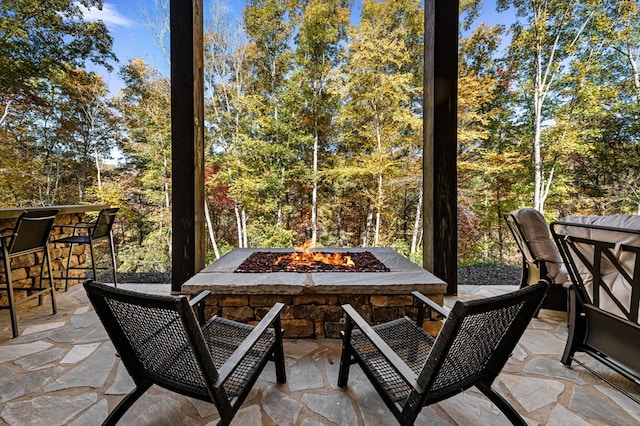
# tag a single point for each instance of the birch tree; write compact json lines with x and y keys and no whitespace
{"x":544,"y":38}
{"x":377,"y":120}
{"x":322,"y":29}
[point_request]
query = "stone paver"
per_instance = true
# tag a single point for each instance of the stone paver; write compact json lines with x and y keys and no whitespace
{"x":63,"y":371}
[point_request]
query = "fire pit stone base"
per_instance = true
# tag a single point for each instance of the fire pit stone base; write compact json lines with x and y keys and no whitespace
{"x":313,"y":300}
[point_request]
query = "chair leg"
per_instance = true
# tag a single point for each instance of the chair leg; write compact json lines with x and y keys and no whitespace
{"x":93,"y":259}
{"x":113,"y":417}
{"x":345,"y":357}
{"x":10,"y":296}
{"x":502,"y":404}
{"x":278,"y":353}
{"x":577,"y":328}
{"x":113,"y":260}
{"x":52,"y":286}
{"x":66,"y":275}
{"x":41,"y":285}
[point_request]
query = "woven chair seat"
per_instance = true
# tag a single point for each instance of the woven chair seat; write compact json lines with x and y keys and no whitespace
{"x":223,"y":337}
{"x":410,"y":343}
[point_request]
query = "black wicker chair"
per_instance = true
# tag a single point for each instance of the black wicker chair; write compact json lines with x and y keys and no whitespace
{"x":410,"y":369}
{"x":160,"y":342}
{"x":30,"y":235}
{"x":90,"y":233}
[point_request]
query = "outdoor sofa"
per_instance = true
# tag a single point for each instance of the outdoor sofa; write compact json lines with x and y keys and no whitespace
{"x":602,"y":254}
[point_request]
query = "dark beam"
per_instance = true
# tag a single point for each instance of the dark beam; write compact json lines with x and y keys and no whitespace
{"x":187,"y":141}
{"x":440,"y":141}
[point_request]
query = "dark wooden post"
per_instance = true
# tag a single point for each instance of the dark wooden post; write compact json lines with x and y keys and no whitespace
{"x":440,"y":141}
{"x":187,"y":140}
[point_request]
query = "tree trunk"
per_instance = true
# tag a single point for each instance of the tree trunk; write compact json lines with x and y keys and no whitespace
{"x":212,"y":237}
{"x":379,"y":197}
{"x":537,"y":118}
{"x":245,"y":241}
{"x":376,"y":237}
{"x":367,"y":229}
{"x":417,"y":224}
{"x":314,"y":192}
{"x":238,"y":223}
{"x":6,"y":112}
{"x":98,"y":171}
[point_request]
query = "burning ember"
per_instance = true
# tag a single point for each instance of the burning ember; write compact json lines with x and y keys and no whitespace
{"x":311,"y":261}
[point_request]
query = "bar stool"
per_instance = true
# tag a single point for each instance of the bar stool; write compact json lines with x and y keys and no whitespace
{"x":89,"y":233}
{"x":30,"y":235}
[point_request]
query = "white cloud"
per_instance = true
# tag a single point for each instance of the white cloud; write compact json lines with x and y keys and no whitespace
{"x":109,"y":15}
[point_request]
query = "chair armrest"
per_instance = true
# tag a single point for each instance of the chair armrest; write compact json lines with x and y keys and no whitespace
{"x":198,"y":302}
{"x":80,"y":226}
{"x":227,"y":368}
{"x":77,"y":225}
{"x":424,"y":300}
{"x":6,"y":235}
{"x":385,"y":350}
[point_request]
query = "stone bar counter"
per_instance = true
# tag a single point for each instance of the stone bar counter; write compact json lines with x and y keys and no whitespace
{"x":25,"y":269}
{"x":313,"y":299}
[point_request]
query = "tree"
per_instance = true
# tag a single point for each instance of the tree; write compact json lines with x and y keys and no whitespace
{"x":144,"y":103}
{"x":90,"y":128}
{"x":546,"y":37}
{"x":322,"y":29}
{"x":39,"y":39}
{"x":225,"y":80}
{"x":379,"y":126}
{"x":265,"y":144}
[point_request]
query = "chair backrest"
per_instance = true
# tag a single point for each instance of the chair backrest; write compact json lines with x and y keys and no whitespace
{"x":157,"y":337}
{"x":476,"y":341}
{"x":104,"y":222}
{"x":603,"y":256}
{"x":32,"y":231}
{"x":533,"y":237}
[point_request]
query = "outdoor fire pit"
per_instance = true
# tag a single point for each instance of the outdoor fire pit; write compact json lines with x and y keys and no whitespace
{"x":311,"y":261}
{"x":245,"y":282}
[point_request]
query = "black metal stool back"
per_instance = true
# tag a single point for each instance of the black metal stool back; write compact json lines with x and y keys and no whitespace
{"x":30,"y":234}
{"x":88,"y":233}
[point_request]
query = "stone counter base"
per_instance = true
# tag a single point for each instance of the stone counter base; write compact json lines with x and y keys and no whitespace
{"x":318,"y":316}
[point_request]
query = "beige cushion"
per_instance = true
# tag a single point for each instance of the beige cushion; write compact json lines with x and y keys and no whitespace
{"x":536,"y":232}
{"x":619,"y":286}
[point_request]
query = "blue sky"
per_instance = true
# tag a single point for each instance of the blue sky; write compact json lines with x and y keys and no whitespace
{"x":133,"y":38}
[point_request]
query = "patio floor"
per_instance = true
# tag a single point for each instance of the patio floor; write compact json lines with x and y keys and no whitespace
{"x":63,"y":370}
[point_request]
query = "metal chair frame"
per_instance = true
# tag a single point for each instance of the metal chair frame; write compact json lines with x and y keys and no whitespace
{"x":30,"y":235}
{"x":410,"y":369}
{"x":161,"y":342}
{"x":89,"y":233}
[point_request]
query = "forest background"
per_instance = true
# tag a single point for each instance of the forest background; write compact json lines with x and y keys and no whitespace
{"x":314,"y":123}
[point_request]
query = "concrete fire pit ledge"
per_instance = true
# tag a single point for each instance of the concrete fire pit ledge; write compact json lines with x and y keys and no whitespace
{"x":313,"y":299}
{"x":403,"y":277}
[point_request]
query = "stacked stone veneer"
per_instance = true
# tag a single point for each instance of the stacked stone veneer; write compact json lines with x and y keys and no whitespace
{"x":317,"y":316}
{"x":25,"y":270}
{"x":313,"y":300}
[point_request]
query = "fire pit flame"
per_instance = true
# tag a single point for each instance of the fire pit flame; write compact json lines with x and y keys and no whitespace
{"x":309,"y":258}
{"x":304,"y":259}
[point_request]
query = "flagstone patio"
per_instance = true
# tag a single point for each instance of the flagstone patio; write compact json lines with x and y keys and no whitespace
{"x":62,"y":370}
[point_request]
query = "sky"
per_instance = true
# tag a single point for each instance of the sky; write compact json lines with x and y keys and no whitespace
{"x":132,"y":36}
